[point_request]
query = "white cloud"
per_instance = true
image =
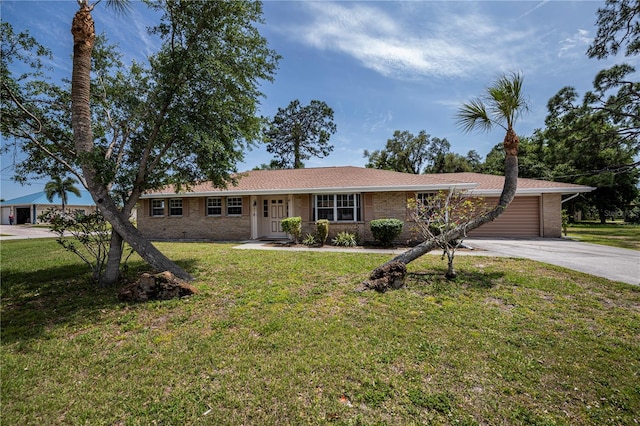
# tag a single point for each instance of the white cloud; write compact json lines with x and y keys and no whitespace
{"x":575,"y":45}
{"x":397,"y":43}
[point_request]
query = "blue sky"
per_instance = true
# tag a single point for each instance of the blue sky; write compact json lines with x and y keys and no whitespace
{"x":382,"y":66}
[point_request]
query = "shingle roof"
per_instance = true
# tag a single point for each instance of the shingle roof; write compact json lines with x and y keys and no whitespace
{"x":39,"y":198}
{"x":359,"y":179}
{"x":492,"y":184}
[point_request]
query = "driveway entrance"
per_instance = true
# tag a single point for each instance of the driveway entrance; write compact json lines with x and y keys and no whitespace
{"x":614,"y":263}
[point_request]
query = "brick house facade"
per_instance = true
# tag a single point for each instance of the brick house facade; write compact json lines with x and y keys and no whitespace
{"x":350,"y":197}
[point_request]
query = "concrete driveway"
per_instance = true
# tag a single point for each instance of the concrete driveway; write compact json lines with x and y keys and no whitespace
{"x":602,"y":261}
{"x":22,"y":232}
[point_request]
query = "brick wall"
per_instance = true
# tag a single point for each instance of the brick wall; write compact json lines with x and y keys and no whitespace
{"x":194,"y":224}
{"x":375,"y":205}
{"x":552,"y":215}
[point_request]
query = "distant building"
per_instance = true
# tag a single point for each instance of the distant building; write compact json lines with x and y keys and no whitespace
{"x":27,"y":208}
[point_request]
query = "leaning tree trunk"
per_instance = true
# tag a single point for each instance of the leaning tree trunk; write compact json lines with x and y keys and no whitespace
{"x":378,"y":277}
{"x":83,"y":33}
{"x":114,"y":257}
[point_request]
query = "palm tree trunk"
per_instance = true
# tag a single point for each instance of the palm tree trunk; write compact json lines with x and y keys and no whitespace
{"x":83,"y":32}
{"x":507,"y":195}
{"x":112,"y":269}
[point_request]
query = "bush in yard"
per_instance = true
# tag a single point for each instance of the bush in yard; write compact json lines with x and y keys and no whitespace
{"x":322,"y":229}
{"x":293,"y":227}
{"x":345,"y":239}
{"x":309,"y":240}
{"x":386,"y":230}
{"x":85,"y":235}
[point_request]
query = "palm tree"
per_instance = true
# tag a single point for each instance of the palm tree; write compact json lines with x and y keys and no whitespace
{"x":61,"y":187}
{"x":83,"y":31}
{"x":502,"y":105}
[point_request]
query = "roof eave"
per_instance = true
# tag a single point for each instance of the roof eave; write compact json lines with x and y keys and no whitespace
{"x":534,"y":191}
{"x":325,"y":190}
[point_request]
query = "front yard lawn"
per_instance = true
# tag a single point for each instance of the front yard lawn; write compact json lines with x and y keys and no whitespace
{"x":616,"y":234}
{"x":278,"y":337}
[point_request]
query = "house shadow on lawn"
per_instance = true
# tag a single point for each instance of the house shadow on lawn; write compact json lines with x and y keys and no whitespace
{"x":37,"y":301}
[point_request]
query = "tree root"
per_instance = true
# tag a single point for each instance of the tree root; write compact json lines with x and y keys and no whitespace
{"x":390,"y":276}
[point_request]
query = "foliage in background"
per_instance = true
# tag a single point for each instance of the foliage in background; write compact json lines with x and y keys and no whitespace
{"x":293,"y":227}
{"x":440,"y":213}
{"x":59,"y":186}
{"x":423,"y":153}
{"x":322,"y":230}
{"x":299,"y":133}
{"x":385,"y":231}
{"x":565,"y":221}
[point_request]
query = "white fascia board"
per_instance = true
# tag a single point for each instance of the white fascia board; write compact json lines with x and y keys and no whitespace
{"x":532,"y":191}
{"x":334,"y":190}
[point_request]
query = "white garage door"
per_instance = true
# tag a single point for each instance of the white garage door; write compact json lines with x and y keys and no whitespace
{"x":520,"y":219}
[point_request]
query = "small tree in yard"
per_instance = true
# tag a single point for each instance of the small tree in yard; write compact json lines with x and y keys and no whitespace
{"x":60,"y":187}
{"x":89,"y":236}
{"x":435,"y":216}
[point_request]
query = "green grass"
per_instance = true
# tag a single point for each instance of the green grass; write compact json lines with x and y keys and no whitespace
{"x":277,"y":337}
{"x":616,"y":234}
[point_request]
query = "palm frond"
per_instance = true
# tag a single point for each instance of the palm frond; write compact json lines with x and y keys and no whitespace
{"x":121,"y":7}
{"x":506,"y":99}
{"x":473,"y":115}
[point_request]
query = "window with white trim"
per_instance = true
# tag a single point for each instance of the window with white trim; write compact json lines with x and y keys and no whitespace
{"x":428,"y":203}
{"x":157,"y":207}
{"x":337,"y":207}
{"x":175,"y":207}
{"x":234,"y":206}
{"x":214,"y":206}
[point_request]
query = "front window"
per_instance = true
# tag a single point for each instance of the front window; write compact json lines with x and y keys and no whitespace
{"x":337,"y":207}
{"x":157,"y":207}
{"x":175,"y":207}
{"x":214,"y":206}
{"x":427,"y":204}
{"x":234,"y":206}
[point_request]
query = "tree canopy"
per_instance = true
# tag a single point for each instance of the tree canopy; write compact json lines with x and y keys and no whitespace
{"x":185,"y":116}
{"x":618,"y":27}
{"x":298,"y":133}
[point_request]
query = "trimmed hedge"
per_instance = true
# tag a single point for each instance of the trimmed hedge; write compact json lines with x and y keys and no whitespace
{"x":293,"y":227}
{"x":386,"y":230}
{"x":322,"y":229}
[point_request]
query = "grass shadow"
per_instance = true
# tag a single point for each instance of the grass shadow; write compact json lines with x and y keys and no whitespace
{"x":36,"y":301}
{"x":478,"y":280}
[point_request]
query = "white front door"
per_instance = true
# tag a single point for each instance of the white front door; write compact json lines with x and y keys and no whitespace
{"x":274,"y":210}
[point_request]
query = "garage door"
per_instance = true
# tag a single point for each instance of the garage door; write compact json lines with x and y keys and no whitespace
{"x":520,"y":219}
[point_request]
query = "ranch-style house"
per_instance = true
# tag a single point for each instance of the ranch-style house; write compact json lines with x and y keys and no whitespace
{"x":349,"y":197}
